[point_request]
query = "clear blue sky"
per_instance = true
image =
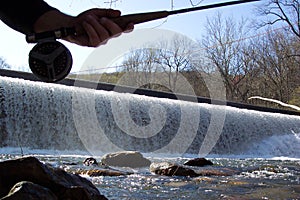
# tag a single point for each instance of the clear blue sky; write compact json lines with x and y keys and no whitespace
{"x":14,"y":48}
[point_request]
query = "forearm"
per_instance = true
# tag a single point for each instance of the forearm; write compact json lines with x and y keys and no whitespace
{"x":21,"y":15}
{"x":93,"y":27}
{"x":52,"y":20}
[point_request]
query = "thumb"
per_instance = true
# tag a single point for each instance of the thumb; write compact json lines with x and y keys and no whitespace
{"x":109,"y":13}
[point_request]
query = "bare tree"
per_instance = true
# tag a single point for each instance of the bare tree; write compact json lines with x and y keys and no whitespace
{"x":140,"y":66}
{"x":279,"y":71}
{"x":285,"y":11}
{"x":166,"y":65}
{"x":175,"y":57}
{"x":224,"y":45}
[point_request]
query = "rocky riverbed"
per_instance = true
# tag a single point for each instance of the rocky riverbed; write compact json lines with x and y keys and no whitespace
{"x":161,"y":178}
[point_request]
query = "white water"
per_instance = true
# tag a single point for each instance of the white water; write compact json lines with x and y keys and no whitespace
{"x":278,"y":145}
{"x":54,"y":117}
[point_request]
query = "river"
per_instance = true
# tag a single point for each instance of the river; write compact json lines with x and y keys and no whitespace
{"x":63,"y":125}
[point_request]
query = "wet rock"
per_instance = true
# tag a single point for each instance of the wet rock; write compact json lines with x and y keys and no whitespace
{"x":131,"y":159}
{"x":199,"y":162}
{"x":170,"y":169}
{"x":90,"y":161}
{"x":29,"y":191}
{"x":177,"y":184}
{"x":64,"y":185}
{"x":216,"y":171}
{"x":69,"y":163}
{"x":204,"y":179}
{"x":102,"y":172}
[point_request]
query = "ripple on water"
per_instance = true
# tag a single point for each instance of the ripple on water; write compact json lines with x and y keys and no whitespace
{"x":259,"y":179}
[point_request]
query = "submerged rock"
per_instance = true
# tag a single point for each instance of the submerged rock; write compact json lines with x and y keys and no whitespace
{"x":64,"y":185}
{"x":131,"y":159}
{"x":172,"y":169}
{"x":199,"y":162}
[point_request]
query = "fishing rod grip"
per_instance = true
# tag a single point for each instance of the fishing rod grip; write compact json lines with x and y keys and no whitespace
{"x":138,"y":18}
{"x":122,"y":21}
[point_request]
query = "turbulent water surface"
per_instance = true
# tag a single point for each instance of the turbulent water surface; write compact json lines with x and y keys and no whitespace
{"x":263,"y":178}
{"x":70,"y":123}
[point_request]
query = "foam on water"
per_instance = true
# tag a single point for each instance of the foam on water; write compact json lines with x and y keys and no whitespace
{"x":55,"y":117}
{"x":277,"y":145}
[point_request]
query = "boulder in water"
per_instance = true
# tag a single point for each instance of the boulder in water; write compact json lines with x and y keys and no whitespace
{"x":90,"y":161}
{"x":29,"y":191}
{"x":172,"y":169}
{"x":64,"y":185}
{"x":199,"y":162}
{"x":131,"y":159}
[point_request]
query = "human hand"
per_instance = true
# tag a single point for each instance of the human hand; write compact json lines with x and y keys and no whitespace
{"x":94,"y":27}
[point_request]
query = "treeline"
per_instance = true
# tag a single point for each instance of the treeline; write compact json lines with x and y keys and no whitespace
{"x":230,"y":60}
{"x":224,"y":62}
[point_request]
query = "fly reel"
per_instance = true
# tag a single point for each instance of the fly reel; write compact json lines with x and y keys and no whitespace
{"x":50,"y":60}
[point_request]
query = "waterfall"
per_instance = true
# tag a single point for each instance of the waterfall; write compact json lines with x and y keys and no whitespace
{"x":51,"y":116}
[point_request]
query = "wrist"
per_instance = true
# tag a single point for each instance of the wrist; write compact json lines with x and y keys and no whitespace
{"x":52,"y":20}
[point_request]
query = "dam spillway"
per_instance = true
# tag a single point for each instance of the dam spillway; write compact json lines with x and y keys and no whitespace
{"x":50,"y":116}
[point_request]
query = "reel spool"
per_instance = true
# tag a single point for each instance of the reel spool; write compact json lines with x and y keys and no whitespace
{"x":50,"y":60}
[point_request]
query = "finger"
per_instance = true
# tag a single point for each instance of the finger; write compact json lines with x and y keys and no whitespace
{"x":97,"y":32}
{"x":81,"y":37}
{"x":93,"y":39}
{"x":90,"y":32}
{"x":129,"y":28}
{"x":106,"y":13}
{"x":113,"y":28}
{"x":113,"y":13}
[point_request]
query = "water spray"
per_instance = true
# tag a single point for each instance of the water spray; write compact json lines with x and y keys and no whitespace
{"x":51,"y":61}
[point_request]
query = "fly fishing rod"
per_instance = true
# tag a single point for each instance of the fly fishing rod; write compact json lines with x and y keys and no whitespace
{"x":51,"y":61}
{"x":138,"y":18}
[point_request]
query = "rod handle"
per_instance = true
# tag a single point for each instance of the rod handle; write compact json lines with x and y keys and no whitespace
{"x":138,"y":18}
